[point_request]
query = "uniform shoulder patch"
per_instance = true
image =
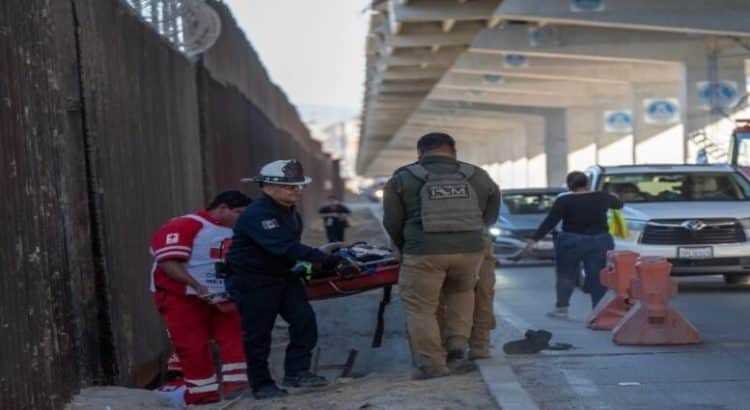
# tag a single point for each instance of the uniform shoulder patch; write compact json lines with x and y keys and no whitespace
{"x":269,"y":224}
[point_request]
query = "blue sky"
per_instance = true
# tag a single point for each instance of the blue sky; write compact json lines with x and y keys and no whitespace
{"x":313,"y":49}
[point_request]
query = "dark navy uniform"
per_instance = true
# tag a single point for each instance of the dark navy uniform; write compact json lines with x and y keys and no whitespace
{"x":265,"y":246}
{"x":335,"y":226}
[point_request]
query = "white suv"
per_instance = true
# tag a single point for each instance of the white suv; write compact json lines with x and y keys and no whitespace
{"x":697,"y":216}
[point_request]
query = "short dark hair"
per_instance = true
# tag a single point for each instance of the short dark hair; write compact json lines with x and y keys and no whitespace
{"x":576,"y":179}
{"x":435,"y":140}
{"x":232,"y":199}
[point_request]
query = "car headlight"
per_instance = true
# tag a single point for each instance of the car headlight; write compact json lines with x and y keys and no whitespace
{"x":495,"y":231}
{"x":379,"y":194}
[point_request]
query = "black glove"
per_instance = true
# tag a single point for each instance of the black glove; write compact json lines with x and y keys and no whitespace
{"x":331,"y":262}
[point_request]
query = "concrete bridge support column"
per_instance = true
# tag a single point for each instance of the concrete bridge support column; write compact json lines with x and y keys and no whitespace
{"x":658,"y":139}
{"x":614,"y":135}
{"x":536,"y":158}
{"x":581,"y":132}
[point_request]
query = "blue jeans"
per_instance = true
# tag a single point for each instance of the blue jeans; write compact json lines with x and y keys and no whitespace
{"x":573,"y":250}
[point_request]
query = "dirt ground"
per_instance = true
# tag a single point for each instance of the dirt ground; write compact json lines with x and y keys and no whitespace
{"x":380,"y":378}
{"x":387,"y":391}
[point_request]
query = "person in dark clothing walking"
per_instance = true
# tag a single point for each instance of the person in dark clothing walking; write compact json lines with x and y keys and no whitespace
{"x":265,"y":246}
{"x":584,"y":239}
{"x":334,"y":215}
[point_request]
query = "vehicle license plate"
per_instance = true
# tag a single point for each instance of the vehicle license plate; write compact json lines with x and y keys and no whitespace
{"x":695,"y":253}
{"x":544,"y":245}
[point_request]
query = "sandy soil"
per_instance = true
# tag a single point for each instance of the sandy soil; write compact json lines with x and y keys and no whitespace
{"x":380,"y":378}
{"x":387,"y":391}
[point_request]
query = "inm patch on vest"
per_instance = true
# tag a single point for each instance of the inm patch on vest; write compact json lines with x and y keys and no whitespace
{"x":449,"y":191}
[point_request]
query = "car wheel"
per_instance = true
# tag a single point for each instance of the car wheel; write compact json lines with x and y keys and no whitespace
{"x":737,"y":279}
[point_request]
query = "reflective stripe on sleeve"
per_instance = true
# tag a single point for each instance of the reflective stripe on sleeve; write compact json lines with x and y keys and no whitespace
{"x":228,"y":367}
{"x":240,"y":377}
{"x":201,"y":382}
{"x":204,"y":389}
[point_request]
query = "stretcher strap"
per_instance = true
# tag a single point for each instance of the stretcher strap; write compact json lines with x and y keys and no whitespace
{"x":377,"y":338}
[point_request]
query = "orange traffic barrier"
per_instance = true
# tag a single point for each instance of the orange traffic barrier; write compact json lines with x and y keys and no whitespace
{"x":651,"y":321}
{"x":616,"y":276}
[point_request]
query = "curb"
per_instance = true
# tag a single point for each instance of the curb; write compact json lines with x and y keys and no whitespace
{"x":498,"y":375}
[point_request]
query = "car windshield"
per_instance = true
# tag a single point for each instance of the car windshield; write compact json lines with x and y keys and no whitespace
{"x":528,"y":203}
{"x":743,"y":148}
{"x":674,"y":186}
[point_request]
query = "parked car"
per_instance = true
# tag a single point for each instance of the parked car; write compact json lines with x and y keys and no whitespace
{"x":374,"y":191}
{"x":521,"y":212}
{"x":696,"y":216}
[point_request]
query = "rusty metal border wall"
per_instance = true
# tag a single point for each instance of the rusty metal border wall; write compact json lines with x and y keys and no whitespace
{"x":142,"y":123}
{"x":46,"y":299}
{"x":105,"y":132}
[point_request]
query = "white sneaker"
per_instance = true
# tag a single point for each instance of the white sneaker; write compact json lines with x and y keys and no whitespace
{"x":558,"y":313}
{"x":175,"y":395}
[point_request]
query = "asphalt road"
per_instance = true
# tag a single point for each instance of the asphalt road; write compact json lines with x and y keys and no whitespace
{"x":598,"y":374}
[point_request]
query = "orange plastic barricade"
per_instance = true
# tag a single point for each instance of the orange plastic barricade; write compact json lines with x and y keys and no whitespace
{"x":617,"y":301}
{"x":652,"y":321}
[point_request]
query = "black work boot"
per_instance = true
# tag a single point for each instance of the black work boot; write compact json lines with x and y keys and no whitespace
{"x":305,"y":379}
{"x":454,"y":355}
{"x":458,"y":364}
{"x":426,"y":373}
{"x":268,"y":391}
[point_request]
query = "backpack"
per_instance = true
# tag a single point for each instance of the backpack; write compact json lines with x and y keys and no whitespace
{"x":448,"y":202}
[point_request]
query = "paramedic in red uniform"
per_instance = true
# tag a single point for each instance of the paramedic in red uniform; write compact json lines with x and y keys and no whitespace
{"x":191,"y":298}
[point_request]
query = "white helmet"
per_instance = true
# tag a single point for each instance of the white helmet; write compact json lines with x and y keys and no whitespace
{"x":281,"y":172}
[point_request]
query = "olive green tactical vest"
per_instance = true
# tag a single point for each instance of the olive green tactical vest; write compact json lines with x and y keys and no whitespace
{"x":448,"y":202}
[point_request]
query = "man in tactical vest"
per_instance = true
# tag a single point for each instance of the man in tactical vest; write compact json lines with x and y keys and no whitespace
{"x":435,"y":211}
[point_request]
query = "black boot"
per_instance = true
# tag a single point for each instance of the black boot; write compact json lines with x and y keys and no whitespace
{"x":458,"y":364}
{"x":305,"y":379}
{"x":268,"y":391}
{"x":533,"y":342}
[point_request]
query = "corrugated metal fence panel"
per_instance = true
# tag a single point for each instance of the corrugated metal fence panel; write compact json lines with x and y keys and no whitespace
{"x":237,"y":137}
{"x":46,"y":347}
{"x":142,"y":119}
{"x":232,"y":60}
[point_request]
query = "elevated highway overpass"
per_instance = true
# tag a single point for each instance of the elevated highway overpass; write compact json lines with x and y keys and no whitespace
{"x":533,"y":88}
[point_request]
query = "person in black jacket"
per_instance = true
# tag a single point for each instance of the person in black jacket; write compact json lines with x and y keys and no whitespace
{"x":584,"y":239}
{"x":265,"y":246}
{"x":334,"y":215}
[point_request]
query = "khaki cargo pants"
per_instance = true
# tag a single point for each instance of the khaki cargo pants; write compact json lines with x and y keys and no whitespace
{"x":484,"y":315}
{"x":422,"y":279}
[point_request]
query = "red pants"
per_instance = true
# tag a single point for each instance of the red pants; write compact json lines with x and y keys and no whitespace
{"x":192,"y":325}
